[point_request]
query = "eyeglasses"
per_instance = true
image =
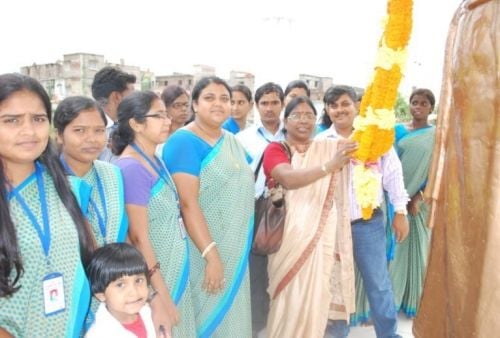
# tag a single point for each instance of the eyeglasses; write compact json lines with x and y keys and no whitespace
{"x":179,"y":105}
{"x":162,"y":116}
{"x":301,"y":116}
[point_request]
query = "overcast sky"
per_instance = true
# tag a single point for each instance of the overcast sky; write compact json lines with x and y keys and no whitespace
{"x":274,"y":39}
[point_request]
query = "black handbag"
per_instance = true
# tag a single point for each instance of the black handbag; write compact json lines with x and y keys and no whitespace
{"x":270,"y":214}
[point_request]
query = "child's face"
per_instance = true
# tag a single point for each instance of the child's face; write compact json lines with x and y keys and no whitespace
{"x":125,"y":297}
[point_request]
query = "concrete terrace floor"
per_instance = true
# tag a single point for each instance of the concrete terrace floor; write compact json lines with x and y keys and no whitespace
{"x":404,"y":329}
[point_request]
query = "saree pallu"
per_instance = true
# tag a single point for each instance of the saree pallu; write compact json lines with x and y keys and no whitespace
{"x":226,"y":198}
{"x":116,"y":221}
{"x":461,"y":296}
{"x":112,"y":182}
{"x":172,"y":252}
{"x":311,"y":277}
{"x":407,"y":270}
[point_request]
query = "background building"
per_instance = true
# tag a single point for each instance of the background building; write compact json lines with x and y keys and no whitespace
{"x":185,"y":81}
{"x":75,"y":73}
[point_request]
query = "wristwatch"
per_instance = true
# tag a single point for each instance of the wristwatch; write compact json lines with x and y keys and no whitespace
{"x":402,"y":212}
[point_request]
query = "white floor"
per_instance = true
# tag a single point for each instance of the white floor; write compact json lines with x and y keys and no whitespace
{"x":404,"y":329}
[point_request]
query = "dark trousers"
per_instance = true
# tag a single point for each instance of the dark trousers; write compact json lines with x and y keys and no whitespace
{"x":259,"y":282}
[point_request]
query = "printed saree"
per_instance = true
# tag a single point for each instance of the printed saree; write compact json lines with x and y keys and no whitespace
{"x":311,"y":277}
{"x":227,"y":200}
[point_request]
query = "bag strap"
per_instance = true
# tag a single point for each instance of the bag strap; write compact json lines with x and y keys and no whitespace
{"x":256,"y":173}
{"x":288,"y":153}
{"x":287,"y":150}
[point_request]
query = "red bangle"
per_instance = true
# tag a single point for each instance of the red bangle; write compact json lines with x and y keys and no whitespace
{"x":154,"y":269}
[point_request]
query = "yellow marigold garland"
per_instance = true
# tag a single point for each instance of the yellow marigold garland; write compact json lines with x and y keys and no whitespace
{"x":374,"y":127}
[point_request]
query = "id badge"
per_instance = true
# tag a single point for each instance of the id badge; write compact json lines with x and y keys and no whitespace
{"x":182,"y":227}
{"x":53,"y":293}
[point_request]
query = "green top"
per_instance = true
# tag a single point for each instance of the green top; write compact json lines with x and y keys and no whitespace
{"x":23,"y":314}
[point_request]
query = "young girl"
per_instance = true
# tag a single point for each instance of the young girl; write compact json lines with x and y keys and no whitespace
{"x":43,"y":235}
{"x":119,"y":278}
{"x":81,"y":133}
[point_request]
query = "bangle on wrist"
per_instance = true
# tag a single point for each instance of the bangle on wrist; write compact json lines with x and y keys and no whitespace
{"x":207,"y":249}
{"x":154,"y":269}
{"x":323,"y":168}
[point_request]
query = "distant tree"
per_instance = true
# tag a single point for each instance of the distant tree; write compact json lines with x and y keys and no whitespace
{"x":402,"y":109}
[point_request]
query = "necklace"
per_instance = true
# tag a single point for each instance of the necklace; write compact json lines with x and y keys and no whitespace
{"x":301,"y":147}
{"x":210,"y":136}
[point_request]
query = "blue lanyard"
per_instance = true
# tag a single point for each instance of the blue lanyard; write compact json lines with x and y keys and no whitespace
{"x":160,"y":170}
{"x":103,"y":221}
{"x":43,"y":232}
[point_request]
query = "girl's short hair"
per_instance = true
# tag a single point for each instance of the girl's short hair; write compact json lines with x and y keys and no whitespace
{"x":113,"y":261}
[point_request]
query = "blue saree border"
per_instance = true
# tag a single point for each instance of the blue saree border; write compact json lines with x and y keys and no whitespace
{"x":182,"y":281}
{"x":218,"y":314}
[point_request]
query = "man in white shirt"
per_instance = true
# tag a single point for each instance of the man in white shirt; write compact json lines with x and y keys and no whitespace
{"x":269,"y":101}
{"x":109,"y":87}
{"x":368,"y":236}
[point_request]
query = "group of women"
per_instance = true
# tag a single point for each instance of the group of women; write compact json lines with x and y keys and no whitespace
{"x":56,"y":207}
{"x":187,"y":206}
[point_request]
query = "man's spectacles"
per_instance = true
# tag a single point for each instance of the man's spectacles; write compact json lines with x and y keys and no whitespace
{"x":179,"y":105}
{"x":301,"y":116}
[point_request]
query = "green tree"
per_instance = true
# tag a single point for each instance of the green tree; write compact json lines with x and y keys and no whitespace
{"x":402,"y":109}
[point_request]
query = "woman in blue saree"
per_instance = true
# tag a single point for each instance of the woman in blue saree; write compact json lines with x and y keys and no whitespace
{"x":414,"y":144}
{"x":216,"y":191}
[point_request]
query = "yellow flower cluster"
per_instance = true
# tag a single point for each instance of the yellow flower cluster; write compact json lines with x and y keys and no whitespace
{"x":366,"y":188}
{"x":374,"y":128}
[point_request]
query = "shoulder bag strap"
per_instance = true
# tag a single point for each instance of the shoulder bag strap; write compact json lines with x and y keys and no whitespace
{"x":256,"y":173}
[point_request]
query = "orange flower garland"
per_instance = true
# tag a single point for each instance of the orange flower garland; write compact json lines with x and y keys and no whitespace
{"x":374,"y":126}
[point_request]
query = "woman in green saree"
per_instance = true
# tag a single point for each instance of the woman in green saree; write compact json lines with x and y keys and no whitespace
{"x":414,"y":144}
{"x":216,"y":191}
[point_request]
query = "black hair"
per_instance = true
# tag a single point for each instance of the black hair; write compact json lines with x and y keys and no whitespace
{"x":134,"y":106}
{"x":10,"y":256}
{"x":295,"y":102}
{"x":171,"y":93}
{"x":70,"y":108}
{"x":203,"y":83}
{"x":331,"y":95}
{"x":424,"y":92}
{"x":267,"y":88}
{"x":113,"y":261}
{"x":297,"y":84}
{"x":110,"y":79}
{"x":244,"y":90}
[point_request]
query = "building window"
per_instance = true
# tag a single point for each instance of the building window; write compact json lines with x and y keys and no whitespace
{"x":92,"y":64}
